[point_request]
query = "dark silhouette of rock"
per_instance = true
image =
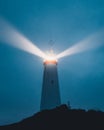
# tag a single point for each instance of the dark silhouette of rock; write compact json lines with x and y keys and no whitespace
{"x":61,"y":118}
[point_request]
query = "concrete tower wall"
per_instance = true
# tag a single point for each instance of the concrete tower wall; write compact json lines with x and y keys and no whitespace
{"x":50,"y":97}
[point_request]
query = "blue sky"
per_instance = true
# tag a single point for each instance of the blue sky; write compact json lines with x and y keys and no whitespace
{"x":81,"y":76}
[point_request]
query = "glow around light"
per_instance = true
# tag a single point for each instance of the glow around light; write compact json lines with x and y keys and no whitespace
{"x":12,"y":37}
{"x":50,"y":58}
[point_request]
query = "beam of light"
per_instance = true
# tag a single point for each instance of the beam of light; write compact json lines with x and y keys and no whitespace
{"x":93,"y":41}
{"x":12,"y":37}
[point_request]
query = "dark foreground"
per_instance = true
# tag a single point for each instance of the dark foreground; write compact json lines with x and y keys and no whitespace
{"x":61,"y":118}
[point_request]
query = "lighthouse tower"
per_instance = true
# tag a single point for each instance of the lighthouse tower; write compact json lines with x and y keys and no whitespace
{"x":50,"y":97}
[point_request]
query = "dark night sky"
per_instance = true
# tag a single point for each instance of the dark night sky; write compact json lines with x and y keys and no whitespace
{"x":66,"y":22}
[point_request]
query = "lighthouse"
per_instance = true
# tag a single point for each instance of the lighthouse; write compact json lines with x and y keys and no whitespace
{"x":50,"y":96}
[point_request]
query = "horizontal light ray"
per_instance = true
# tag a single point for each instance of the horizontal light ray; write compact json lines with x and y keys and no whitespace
{"x":93,"y":41}
{"x":12,"y":37}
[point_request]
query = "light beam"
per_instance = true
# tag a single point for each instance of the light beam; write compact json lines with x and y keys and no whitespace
{"x":12,"y":37}
{"x":93,"y":41}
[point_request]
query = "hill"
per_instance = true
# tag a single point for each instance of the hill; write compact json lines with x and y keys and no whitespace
{"x":61,"y":118}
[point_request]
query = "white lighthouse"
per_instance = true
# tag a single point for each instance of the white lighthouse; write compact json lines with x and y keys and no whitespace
{"x":50,"y":97}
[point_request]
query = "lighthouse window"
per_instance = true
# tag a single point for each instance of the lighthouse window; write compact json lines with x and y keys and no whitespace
{"x":52,"y":81}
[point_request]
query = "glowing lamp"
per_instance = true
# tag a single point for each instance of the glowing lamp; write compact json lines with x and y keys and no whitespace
{"x":50,"y":61}
{"x":50,"y":58}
